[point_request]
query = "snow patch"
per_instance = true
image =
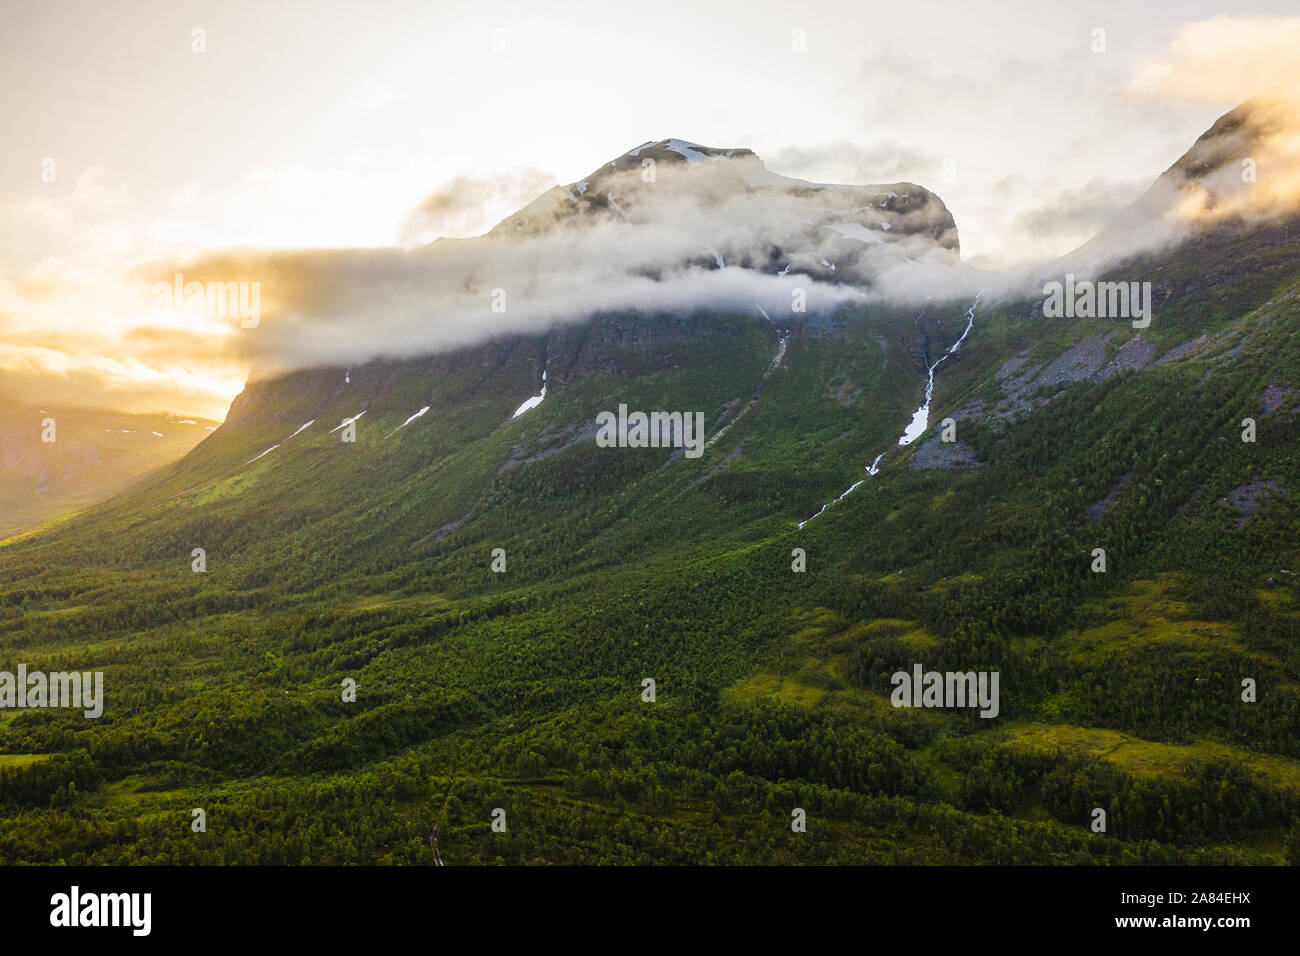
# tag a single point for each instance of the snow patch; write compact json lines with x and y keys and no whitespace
{"x":532,"y":402}
{"x":921,"y":417}
{"x":852,"y":488}
{"x":688,"y":151}
{"x":407,"y":422}
{"x":342,"y":424}
{"x":854,"y":230}
{"x":279,"y":443}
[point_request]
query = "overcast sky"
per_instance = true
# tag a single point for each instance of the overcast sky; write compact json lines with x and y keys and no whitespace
{"x":305,"y":125}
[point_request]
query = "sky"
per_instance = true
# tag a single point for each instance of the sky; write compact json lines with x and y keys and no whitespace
{"x":140,"y":133}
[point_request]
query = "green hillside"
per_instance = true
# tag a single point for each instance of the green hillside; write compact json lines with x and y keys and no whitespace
{"x":523,"y":689}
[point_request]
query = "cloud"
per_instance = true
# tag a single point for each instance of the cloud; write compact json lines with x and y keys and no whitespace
{"x":52,"y":375}
{"x":1244,"y":169}
{"x":1077,"y":214}
{"x":1248,"y":164}
{"x":695,"y":239}
{"x":84,"y":220}
{"x":468,"y":206}
{"x":1046,"y":147}
{"x":89,"y":335}
{"x":845,"y":162}
{"x":1222,"y":60}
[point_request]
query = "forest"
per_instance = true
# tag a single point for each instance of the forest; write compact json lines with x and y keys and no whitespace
{"x":524,"y":691}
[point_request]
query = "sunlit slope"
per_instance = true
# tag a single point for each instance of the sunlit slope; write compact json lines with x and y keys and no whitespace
{"x":58,"y":460}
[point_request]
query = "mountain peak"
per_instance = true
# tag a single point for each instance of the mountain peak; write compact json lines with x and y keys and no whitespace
{"x":1241,"y":174}
{"x":683,"y":151}
{"x":730,"y":190}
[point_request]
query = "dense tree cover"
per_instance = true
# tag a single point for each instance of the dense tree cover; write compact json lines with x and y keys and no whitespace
{"x":524,"y":690}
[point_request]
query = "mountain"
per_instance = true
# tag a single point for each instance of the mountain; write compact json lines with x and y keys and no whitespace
{"x":57,"y":461}
{"x":1213,"y":188}
{"x":649,"y":181}
{"x":745,"y":214}
{"x":644,"y":656}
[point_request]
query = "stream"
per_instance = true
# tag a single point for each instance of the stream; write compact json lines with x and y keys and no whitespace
{"x":921,"y":417}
